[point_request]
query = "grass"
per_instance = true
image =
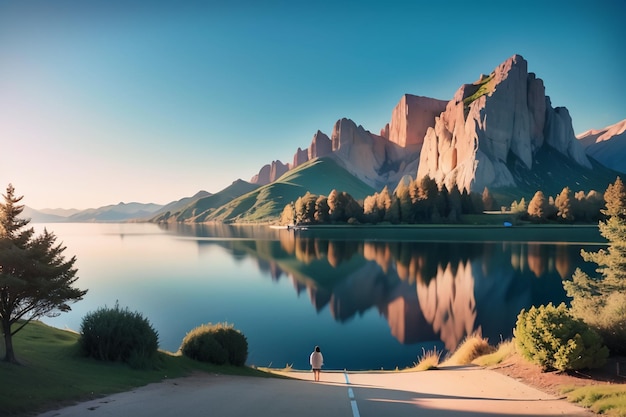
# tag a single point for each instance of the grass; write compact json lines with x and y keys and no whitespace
{"x":471,"y":348}
{"x":503,"y":350}
{"x":608,"y":400}
{"x":483,"y":88}
{"x":52,"y":374}
{"x":265,"y":204}
{"x":429,"y":360}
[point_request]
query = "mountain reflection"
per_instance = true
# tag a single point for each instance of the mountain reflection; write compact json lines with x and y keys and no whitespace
{"x":426,"y":291}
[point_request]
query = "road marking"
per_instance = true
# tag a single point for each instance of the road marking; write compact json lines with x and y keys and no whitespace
{"x":355,"y":408}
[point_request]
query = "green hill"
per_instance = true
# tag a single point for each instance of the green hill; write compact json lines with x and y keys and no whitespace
{"x":318,"y":176}
{"x":198,"y":210}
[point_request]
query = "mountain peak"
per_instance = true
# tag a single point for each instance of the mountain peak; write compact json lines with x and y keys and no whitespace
{"x":501,"y":116}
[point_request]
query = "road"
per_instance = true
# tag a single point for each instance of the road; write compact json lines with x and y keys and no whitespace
{"x":461,"y":392}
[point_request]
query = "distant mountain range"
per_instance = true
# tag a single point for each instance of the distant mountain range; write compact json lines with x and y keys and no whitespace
{"x":500,"y":132}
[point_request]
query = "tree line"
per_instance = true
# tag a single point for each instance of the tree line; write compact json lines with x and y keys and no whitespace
{"x":418,"y":201}
{"x":566,"y":207}
{"x":424,"y":201}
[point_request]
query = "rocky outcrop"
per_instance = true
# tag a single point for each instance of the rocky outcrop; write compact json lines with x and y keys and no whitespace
{"x":501,"y":116}
{"x":607,"y":146}
{"x":321,"y":146}
{"x":300,"y":157}
{"x":270,"y":173}
{"x":411,"y":118}
{"x":371,"y":158}
{"x":277,"y":169}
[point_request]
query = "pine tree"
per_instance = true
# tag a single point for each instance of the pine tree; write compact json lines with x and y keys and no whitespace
{"x":615,"y":197}
{"x":601,"y":300}
{"x":35,"y":278}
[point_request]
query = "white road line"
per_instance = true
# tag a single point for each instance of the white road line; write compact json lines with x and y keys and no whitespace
{"x":355,"y":408}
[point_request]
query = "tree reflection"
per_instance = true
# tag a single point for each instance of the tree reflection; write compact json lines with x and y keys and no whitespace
{"x":425,"y":290}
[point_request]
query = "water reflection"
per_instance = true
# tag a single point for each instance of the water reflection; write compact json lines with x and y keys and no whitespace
{"x":426,"y":291}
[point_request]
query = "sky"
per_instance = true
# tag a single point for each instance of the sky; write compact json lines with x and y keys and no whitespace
{"x":104,"y":102}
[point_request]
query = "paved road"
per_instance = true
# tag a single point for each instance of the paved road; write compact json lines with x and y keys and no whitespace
{"x":463,"y":392}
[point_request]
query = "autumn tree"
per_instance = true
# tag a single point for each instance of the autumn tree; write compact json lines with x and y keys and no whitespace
{"x":288,"y":215}
{"x":601,"y":300}
{"x":305,"y":208}
{"x":35,"y":278}
{"x":403,"y":196}
{"x":564,"y":205}
{"x":538,"y":207}
{"x":343,"y":207}
{"x":321,"y":210}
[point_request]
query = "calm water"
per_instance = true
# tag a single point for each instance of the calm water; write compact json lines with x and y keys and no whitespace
{"x":369,"y":304}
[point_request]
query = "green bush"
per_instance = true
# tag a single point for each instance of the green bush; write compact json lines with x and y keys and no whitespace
{"x":115,"y":334}
{"x":216,"y":343}
{"x":550,"y":337}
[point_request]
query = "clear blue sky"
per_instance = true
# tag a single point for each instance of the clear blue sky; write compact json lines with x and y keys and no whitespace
{"x":152,"y":101}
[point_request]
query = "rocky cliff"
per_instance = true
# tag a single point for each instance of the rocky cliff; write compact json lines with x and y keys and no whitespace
{"x":493,"y":133}
{"x":607,"y":146}
{"x":501,"y":119}
{"x":270,"y":173}
{"x":378,"y":160}
{"x":411,"y":118}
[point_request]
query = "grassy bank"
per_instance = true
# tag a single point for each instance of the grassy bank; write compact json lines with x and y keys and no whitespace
{"x":52,"y":374}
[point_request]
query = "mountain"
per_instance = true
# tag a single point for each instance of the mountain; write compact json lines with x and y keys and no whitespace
{"x":115,"y":213}
{"x":178,"y":205}
{"x":499,"y":132}
{"x":61,"y":212}
{"x":499,"y":122}
{"x":377,"y":160}
{"x":265,"y":203}
{"x":199,"y":210}
{"x":607,"y":146}
{"x":41,"y":216}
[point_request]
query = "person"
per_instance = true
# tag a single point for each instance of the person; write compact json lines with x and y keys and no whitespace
{"x":317,"y":361}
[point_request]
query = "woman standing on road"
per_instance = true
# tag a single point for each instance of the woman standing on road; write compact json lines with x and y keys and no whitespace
{"x":317,"y":361}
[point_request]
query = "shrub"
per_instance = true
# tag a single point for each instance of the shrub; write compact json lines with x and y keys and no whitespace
{"x":428,"y":360}
{"x":216,"y":343}
{"x":471,"y":348}
{"x":115,"y":334}
{"x":550,"y":337}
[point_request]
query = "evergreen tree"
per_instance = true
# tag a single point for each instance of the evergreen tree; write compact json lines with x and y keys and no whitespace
{"x":393,"y":214}
{"x":455,"y":204}
{"x":601,"y":300}
{"x":615,"y":198}
{"x":403,"y":196}
{"x":35,"y":278}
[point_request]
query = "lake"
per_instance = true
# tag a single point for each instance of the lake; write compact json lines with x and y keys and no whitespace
{"x":370,"y":299}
